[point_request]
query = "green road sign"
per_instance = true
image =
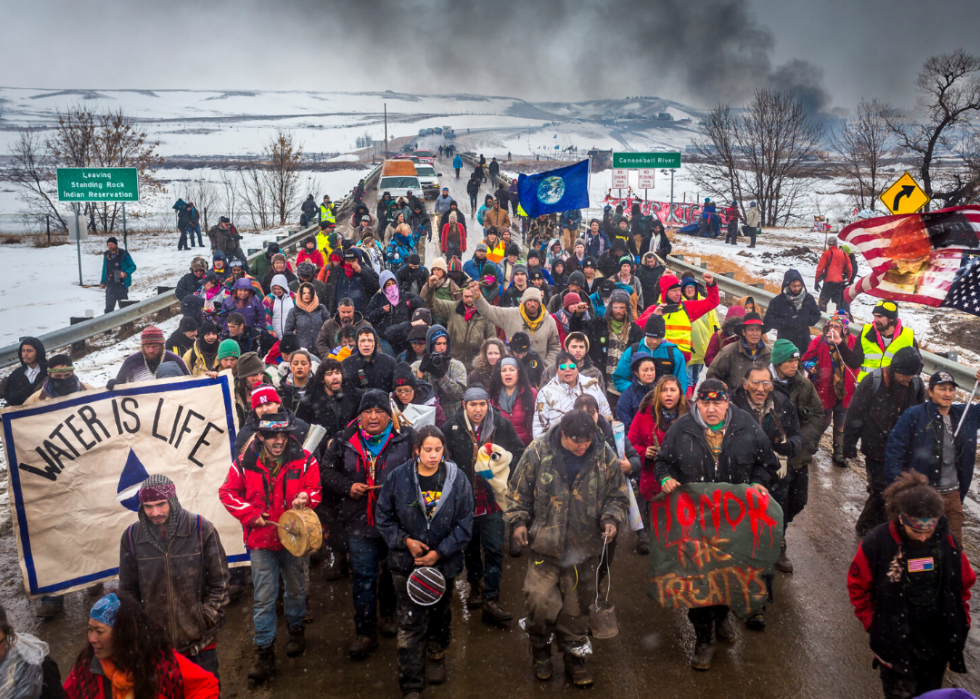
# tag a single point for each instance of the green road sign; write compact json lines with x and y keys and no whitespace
{"x":98,"y":184}
{"x":645,"y":160}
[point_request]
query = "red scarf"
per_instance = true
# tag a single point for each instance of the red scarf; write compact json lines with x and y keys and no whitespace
{"x":468,"y":313}
{"x":348,"y":269}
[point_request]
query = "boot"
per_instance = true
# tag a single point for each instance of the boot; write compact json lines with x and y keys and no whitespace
{"x":643,"y":542}
{"x":493,"y":614}
{"x":362,"y":646}
{"x":577,"y":671}
{"x":756,"y":622}
{"x":263,"y":664}
{"x":543,"y":668}
{"x":296,"y":644}
{"x":838,"y":457}
{"x":435,"y":669}
{"x":50,"y":608}
{"x":703,"y":652}
{"x":388,"y":627}
{"x":724,"y":631}
{"x":783,"y":563}
{"x":475,"y":599}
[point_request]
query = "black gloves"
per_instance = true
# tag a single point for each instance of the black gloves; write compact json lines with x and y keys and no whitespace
{"x":435,"y":364}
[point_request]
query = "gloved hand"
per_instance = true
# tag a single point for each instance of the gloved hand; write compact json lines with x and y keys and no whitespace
{"x":816,"y":287}
{"x":111,"y":384}
{"x":435,"y":364}
{"x":783,"y":467}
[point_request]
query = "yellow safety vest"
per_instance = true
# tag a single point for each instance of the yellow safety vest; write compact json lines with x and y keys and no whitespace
{"x":326,"y":214}
{"x":679,"y":330}
{"x":873,"y":356}
{"x":496,"y":254}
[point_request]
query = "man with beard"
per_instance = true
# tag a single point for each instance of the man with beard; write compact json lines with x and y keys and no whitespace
{"x":142,"y":365}
{"x":466,"y":326}
{"x":173,"y":562}
{"x":610,"y":335}
{"x":530,"y":317}
{"x":346,"y":316}
{"x":879,"y":341}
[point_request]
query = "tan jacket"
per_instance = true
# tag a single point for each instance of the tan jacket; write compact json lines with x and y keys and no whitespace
{"x":39,"y":395}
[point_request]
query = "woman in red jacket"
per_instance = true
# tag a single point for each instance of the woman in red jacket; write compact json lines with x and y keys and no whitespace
{"x":512,"y":394}
{"x":128,"y":656}
{"x":832,"y":378}
{"x":657,"y":412}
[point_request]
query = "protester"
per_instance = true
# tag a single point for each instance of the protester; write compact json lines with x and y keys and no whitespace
{"x":490,"y":354}
{"x":307,"y":317}
{"x":26,"y":669}
{"x":644,"y":370}
{"x":187,"y":587}
{"x":714,"y":443}
{"x":520,"y":347}
{"x":832,"y":378}
{"x":30,"y":375}
{"x":128,"y":655}
{"x":880,"y":340}
{"x":475,"y":428}
{"x":278,"y":304}
{"x":512,"y":395}
{"x":557,"y":397}
{"x":293,"y":388}
{"x":793,"y":312}
{"x":192,"y":281}
{"x":142,"y":365}
{"x":354,"y":280}
{"x":649,"y":274}
{"x":411,"y":390}
{"x":530,"y":318}
{"x":468,"y":328}
{"x":203,"y":356}
{"x":362,"y":459}
{"x":225,"y":238}
{"x":934,"y":439}
{"x":445,"y":374}
{"x":275,"y":463}
{"x":834,"y":271}
{"x":733,"y":362}
{"x":329,"y":335}
{"x":680,"y":313}
{"x":432,"y":532}
{"x":589,"y":509}
{"x":667,"y":357}
{"x":611,"y":334}
{"x":117,"y":274}
{"x":701,"y":331}
{"x":658,"y":411}
{"x":910,"y":585}
{"x":368,"y":367}
{"x":306,"y":274}
{"x":577,"y":344}
{"x":264,"y":400}
{"x":876,"y":406}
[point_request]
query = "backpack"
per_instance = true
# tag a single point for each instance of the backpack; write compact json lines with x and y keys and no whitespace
{"x":664,"y":366}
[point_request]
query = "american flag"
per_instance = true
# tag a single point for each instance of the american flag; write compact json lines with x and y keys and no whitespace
{"x":964,"y":292}
{"x":920,"y":565}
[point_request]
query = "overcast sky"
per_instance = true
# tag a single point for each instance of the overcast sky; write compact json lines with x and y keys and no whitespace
{"x":833,"y":52}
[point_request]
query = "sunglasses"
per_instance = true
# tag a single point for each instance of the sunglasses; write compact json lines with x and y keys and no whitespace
{"x":566,"y":367}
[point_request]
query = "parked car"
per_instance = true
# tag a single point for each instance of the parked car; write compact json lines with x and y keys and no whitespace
{"x":429,"y":179}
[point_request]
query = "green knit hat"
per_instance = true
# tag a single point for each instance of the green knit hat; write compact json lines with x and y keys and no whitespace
{"x":782,"y":351}
{"x":228,"y":348}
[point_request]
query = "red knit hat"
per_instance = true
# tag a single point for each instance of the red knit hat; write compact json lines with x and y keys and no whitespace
{"x":151,"y":335}
{"x":264,"y":394}
{"x":571,"y":299}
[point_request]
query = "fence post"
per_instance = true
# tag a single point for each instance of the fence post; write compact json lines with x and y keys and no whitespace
{"x":47,"y":220}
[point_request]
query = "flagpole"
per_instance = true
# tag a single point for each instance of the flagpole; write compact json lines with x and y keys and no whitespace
{"x":966,"y":408}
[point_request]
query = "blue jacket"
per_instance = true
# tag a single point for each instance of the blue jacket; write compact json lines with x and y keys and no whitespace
{"x":471,"y":269}
{"x":570,"y":219}
{"x":126,"y":264}
{"x":623,"y":377}
{"x":399,"y":250}
{"x":457,"y":162}
{"x":628,"y":404}
{"x":400,"y":515}
{"x":916,"y":443}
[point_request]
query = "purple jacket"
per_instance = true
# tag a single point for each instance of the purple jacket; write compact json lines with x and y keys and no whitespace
{"x":253,"y":310}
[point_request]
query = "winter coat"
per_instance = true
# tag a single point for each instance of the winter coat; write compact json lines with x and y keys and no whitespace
{"x":460,"y":448}
{"x":753,"y":217}
{"x":693,"y":308}
{"x":474,"y":269}
{"x":781,"y":423}
{"x":411,"y":281}
{"x":596,"y":246}
{"x":307,"y":325}
{"x":316,"y":258}
{"x":457,"y":162}
{"x":566,"y":519}
{"x":186,"y":588}
{"x":111,"y":264}
{"x":496,"y":217}
{"x":597,"y":330}
{"x":882,"y":604}
{"x":277,"y":310}
{"x":522,"y":421}
{"x":19,"y":388}
{"x":666,"y":351}
{"x":329,"y":412}
{"x":466,"y":338}
{"x":262,"y":265}
{"x":544,"y":340}
{"x":629,"y":402}
{"x":834,"y":266}
{"x":557,"y":398}
{"x":644,"y":433}
{"x":875,"y":410}
{"x":252,"y":309}
{"x":716,"y":344}
{"x":378,"y":370}
{"x":400,"y":312}
{"x":329,"y":336}
{"x":134,"y":367}
{"x":178,"y":343}
{"x":650,"y":279}
{"x":822,"y":374}
{"x":319,"y":287}
{"x":788,"y":322}
{"x":359,"y":287}
{"x":243,"y":438}
{"x":249,"y":490}
{"x":401,"y":515}
{"x":916,"y":444}
{"x":452,"y":243}
{"x":746,"y":453}
{"x":188,"y":284}
{"x":450,"y":386}
{"x":734,"y":360}
{"x":809,"y":411}
{"x":441,"y":205}
{"x":399,"y":250}
{"x":179,"y":676}
{"x":347,"y":465}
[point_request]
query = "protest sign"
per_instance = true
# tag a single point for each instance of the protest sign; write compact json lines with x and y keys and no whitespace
{"x":76,"y":464}
{"x":714,"y":544}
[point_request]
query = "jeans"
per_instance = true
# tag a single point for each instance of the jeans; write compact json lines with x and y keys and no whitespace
{"x":751,"y":232}
{"x":114,"y":293}
{"x":422,"y":632}
{"x":182,"y":243}
{"x":488,"y":535}
{"x":195,"y":229}
{"x":266,"y":568}
{"x":366,"y":554}
{"x":693,"y":372}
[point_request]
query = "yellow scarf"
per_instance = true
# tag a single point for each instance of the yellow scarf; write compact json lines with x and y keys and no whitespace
{"x":122,"y":682}
{"x":532,"y":325}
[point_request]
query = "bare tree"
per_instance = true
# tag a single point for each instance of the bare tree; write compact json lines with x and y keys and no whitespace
{"x":255,"y":194}
{"x":716,"y":167}
{"x":949,"y":96}
{"x":285,"y":156}
{"x":33,"y":174}
{"x":206,"y":197}
{"x":864,"y":145}
{"x":229,"y":192}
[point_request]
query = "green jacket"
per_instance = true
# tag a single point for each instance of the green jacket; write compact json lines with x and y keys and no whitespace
{"x":809,"y":408}
{"x":565,"y":521}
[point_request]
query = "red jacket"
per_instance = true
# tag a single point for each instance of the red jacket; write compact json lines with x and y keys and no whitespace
{"x":444,"y":238}
{"x":522,"y":422}
{"x":644,"y":433}
{"x":244,"y":491}
{"x":316,"y":257}
{"x":834,"y":266}
{"x":823,"y":373}
{"x":181,"y":680}
{"x":694,"y":309}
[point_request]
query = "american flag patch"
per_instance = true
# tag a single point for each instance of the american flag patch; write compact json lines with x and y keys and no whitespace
{"x":921,"y":565}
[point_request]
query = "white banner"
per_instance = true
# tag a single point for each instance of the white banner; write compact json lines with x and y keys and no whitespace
{"x":620,"y":179}
{"x":76,"y":464}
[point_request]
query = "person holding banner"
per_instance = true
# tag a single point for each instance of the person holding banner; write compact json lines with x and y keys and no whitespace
{"x":173,"y":562}
{"x":567,"y":500}
{"x":425,"y":515}
{"x":273,"y":475}
{"x":714,"y":443}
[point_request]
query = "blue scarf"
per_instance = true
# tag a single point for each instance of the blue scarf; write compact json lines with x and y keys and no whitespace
{"x":376,"y":443}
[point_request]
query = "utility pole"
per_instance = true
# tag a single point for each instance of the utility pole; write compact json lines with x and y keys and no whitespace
{"x":386,"y":130}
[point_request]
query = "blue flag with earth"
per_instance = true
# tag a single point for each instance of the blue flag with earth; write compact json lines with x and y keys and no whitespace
{"x":554,"y":191}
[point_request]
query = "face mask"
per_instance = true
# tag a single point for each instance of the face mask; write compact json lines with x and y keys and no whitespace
{"x":391,"y":292}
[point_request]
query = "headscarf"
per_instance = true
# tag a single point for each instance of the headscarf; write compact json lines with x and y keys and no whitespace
{"x":154,"y":489}
{"x":313,"y":304}
{"x":507,"y":402}
{"x":61,"y":381}
{"x":390,"y":292}
{"x":104,"y":611}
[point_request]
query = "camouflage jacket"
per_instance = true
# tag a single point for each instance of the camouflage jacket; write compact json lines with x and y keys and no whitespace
{"x":565,"y":520}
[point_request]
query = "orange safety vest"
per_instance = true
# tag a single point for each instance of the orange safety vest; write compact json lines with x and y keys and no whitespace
{"x":679,"y":331}
{"x":496,"y":255}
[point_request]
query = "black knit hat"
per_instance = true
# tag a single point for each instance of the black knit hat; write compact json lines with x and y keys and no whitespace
{"x":656,"y":326}
{"x":907,"y":362}
{"x":520,"y":342}
{"x":513,"y":249}
{"x":423,"y":314}
{"x":187,"y":324}
{"x":414,"y":259}
{"x":417,"y":333}
{"x":404,"y":376}
{"x":374,"y":398}
{"x":207,"y":328}
{"x":289,"y":343}
{"x":576,"y":277}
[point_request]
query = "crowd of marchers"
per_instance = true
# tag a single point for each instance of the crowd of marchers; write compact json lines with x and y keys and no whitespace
{"x":533,"y":345}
